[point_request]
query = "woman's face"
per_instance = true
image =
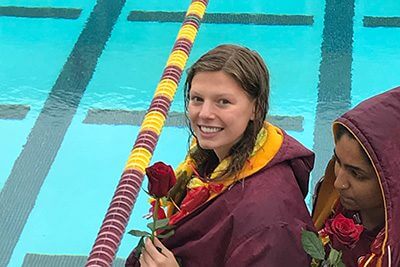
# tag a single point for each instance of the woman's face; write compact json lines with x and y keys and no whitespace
{"x":219,"y":111}
{"x":356,"y":180}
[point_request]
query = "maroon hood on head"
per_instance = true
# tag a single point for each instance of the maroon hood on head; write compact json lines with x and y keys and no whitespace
{"x":376,"y":124}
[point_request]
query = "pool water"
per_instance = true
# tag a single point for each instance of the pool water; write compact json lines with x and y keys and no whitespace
{"x":60,"y":162}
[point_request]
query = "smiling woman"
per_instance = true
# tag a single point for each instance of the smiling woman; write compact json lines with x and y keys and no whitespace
{"x":360,"y":180}
{"x":240,"y":175}
{"x":219,"y":111}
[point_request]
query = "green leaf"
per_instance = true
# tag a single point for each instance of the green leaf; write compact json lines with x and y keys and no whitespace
{"x":334,"y":256}
{"x":312,"y":245}
{"x":159,"y":224}
{"x":139,"y":247}
{"x":165,"y":228}
{"x":170,"y":233}
{"x":339,"y":262}
{"x":162,"y":223}
{"x":139,"y":233}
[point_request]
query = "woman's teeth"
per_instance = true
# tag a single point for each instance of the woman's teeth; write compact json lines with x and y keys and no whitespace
{"x":210,"y":129}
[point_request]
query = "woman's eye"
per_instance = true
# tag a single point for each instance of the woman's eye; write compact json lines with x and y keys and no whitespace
{"x":357,"y":175}
{"x":224,"y":101}
{"x":195,"y":99}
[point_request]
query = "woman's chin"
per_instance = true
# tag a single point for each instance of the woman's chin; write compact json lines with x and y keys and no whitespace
{"x":348,"y":204}
{"x":205,"y":144}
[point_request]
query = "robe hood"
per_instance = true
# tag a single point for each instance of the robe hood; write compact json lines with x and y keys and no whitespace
{"x":375,"y":123}
{"x":300,"y":159}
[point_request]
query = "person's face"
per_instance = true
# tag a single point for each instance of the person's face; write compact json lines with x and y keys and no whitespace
{"x":219,"y":111}
{"x":356,"y":180}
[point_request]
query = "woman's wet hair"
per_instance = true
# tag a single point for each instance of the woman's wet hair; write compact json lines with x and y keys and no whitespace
{"x":249,"y":70}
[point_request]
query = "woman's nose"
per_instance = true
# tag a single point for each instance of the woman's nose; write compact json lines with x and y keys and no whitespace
{"x":206,"y":111}
{"x":341,"y":182}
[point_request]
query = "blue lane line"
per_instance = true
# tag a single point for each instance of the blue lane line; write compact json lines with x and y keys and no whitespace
{"x":224,"y":18}
{"x":389,"y":22}
{"x":39,"y":260}
{"x":174,"y":119}
{"x":20,"y":191}
{"x":40,"y":12}
{"x":13,"y":111}
{"x":334,"y":90}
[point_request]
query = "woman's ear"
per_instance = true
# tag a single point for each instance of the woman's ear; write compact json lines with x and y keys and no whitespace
{"x":253,"y":112}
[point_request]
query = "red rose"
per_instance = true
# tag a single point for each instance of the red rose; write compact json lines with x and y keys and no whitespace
{"x":344,"y":230}
{"x":161,"y":179}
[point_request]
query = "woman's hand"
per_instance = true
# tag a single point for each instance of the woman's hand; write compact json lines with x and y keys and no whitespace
{"x":153,"y":257}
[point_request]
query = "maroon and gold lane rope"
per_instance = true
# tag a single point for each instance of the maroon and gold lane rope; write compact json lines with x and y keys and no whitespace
{"x":117,"y":216}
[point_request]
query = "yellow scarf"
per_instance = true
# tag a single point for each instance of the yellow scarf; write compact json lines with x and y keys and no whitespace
{"x":269,"y":141}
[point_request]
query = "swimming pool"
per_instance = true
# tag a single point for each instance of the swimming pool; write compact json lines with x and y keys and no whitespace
{"x":73,"y":86}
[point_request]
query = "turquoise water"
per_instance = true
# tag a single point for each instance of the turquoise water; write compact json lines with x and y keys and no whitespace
{"x":80,"y":183}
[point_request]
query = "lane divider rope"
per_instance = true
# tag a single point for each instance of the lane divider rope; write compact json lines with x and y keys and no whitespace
{"x":117,"y":216}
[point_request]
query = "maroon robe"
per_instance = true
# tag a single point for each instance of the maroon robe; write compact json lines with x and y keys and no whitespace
{"x":257,"y":222}
{"x":376,"y":124}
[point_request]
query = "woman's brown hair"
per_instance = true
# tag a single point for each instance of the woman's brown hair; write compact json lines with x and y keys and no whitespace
{"x":249,"y":70}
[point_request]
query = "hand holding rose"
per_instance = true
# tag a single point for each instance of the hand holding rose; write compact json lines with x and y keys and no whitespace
{"x":161,"y":180}
{"x":157,"y":255}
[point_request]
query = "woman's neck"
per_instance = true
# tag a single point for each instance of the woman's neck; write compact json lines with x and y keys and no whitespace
{"x":371,"y":219}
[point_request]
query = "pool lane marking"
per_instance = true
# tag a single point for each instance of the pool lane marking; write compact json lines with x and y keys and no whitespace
{"x":18,"y":196}
{"x":224,"y":18}
{"x":174,"y":119}
{"x":334,"y":89}
{"x":13,"y":111}
{"x":42,"y":260}
{"x":40,"y":12}
{"x":387,"y":22}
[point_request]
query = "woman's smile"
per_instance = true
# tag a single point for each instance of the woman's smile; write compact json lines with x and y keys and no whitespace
{"x":210,"y":129}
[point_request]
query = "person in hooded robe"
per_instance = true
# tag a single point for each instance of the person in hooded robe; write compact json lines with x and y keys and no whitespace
{"x":239,"y":196}
{"x":357,"y":204}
